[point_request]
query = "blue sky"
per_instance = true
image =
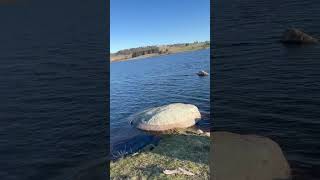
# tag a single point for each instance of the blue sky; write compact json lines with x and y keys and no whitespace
{"x":135,"y":23}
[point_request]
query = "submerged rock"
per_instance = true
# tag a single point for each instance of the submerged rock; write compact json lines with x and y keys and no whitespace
{"x":243,"y":157}
{"x":172,"y":116}
{"x":202,"y":73}
{"x":297,"y":36}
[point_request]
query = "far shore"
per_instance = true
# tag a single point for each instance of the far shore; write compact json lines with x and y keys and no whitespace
{"x":152,"y":51}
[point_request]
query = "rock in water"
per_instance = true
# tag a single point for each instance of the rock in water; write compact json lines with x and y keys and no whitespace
{"x":172,"y":116}
{"x":297,"y":36}
{"x":202,"y":73}
{"x":199,"y":131}
{"x":243,"y":157}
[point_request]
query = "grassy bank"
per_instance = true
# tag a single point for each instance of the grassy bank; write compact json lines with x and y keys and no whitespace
{"x":187,"y":151}
{"x":149,"y":51}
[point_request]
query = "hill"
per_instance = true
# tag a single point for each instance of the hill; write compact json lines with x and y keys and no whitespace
{"x":149,"y":51}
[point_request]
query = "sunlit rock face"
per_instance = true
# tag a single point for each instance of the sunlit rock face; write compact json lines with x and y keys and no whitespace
{"x":167,"y":117}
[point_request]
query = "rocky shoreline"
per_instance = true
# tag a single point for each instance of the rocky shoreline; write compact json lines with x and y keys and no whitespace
{"x":233,"y":157}
{"x":246,"y":156}
{"x":183,"y":151}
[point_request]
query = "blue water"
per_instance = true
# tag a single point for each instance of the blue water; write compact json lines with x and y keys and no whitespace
{"x":53,"y":75}
{"x":261,"y":86}
{"x":143,"y":83}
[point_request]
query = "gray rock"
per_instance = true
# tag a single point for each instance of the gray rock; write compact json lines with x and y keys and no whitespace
{"x":199,"y":131}
{"x":202,"y":73}
{"x":297,"y":36}
{"x":207,"y":134}
{"x":247,"y":157}
{"x":172,"y":116}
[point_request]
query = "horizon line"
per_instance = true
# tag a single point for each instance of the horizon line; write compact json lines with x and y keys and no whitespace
{"x":157,"y":45}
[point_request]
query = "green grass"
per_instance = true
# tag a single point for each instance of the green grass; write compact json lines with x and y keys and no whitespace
{"x":187,"y":151}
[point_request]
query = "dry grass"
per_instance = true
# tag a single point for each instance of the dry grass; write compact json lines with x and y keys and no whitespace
{"x":187,"y":151}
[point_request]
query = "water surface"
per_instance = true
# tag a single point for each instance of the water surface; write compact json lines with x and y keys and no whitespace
{"x":139,"y":84}
{"x":264,"y":87}
{"x":53,"y":75}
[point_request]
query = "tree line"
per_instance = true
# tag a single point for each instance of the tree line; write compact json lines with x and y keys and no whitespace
{"x":140,"y":51}
{"x":135,"y":52}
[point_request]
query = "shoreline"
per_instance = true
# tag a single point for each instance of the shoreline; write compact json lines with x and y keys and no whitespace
{"x":165,"y":50}
{"x":168,"y":154}
{"x":257,"y":156}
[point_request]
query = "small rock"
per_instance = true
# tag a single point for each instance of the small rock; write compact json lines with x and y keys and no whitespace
{"x":207,"y":134}
{"x":297,"y":36}
{"x":202,"y":73}
{"x":199,"y":131}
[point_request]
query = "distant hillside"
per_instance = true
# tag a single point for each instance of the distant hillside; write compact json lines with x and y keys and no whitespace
{"x":148,"y":51}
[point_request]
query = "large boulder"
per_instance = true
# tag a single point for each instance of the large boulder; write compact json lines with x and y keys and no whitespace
{"x":172,"y":116}
{"x":247,"y":157}
{"x":297,"y":36}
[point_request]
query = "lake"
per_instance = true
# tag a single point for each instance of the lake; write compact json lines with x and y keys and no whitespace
{"x":53,"y":79}
{"x":136,"y":85}
{"x":263,"y":87}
